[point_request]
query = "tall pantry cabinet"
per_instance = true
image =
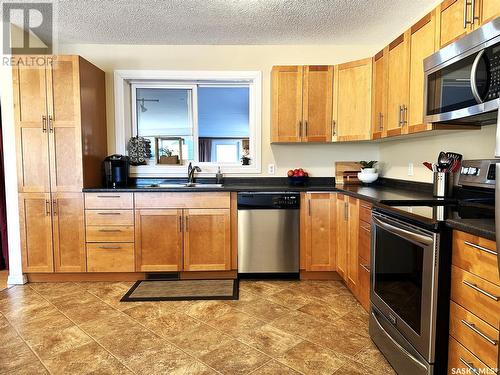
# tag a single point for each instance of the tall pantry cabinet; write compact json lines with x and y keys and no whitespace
{"x":60,"y":119}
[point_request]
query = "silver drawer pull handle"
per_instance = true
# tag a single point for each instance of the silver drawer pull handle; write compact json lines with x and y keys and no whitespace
{"x":108,"y":213}
{"x":109,"y":196}
{"x":481,"y":248}
{"x":472,"y":327}
{"x":110,"y":230}
{"x":469,"y":366}
{"x":110,"y":247}
{"x":365,"y":268}
{"x":478,"y":289}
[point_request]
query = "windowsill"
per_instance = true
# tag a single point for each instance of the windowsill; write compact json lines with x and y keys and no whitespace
{"x":181,"y":170}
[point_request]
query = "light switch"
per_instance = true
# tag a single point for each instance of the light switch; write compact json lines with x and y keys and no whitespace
{"x":271,"y":169}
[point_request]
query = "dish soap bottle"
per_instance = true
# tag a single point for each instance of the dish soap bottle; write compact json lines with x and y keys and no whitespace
{"x":219,"y":178}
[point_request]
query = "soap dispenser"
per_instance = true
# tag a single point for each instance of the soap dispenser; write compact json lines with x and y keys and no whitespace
{"x":219,"y":178}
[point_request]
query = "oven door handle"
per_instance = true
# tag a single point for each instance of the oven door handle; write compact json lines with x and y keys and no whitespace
{"x":403,"y":232}
{"x":406,"y":352}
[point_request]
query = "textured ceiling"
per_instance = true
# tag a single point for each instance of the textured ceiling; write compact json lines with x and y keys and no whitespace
{"x":236,"y":21}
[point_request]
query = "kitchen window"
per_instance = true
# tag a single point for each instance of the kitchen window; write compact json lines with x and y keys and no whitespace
{"x":209,"y":122}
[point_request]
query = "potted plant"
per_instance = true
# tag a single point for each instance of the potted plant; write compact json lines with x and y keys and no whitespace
{"x":368,"y":172}
{"x":245,"y":160}
{"x":166,"y":156}
{"x":368,"y":166}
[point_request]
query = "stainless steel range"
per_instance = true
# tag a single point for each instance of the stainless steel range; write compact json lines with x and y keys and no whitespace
{"x":410,"y":278}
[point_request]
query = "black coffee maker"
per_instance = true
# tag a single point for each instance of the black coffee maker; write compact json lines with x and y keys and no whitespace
{"x":116,"y":168}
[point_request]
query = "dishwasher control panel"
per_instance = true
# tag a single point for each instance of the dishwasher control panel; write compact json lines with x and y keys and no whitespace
{"x":269,"y":201}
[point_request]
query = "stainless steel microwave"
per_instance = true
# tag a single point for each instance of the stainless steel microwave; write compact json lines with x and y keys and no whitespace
{"x":462,"y":80}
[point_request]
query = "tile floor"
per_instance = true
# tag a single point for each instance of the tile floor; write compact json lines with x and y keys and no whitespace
{"x":277,"y":327}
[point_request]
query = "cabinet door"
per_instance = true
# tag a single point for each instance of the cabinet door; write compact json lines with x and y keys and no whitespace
{"x":490,"y":9}
{"x":69,"y":232}
{"x":158,"y":240}
{"x":207,"y":240}
{"x":30,"y":112}
{"x":36,"y":232}
{"x":453,"y":20}
{"x":379,"y":118}
{"x":352,"y":252}
{"x":398,"y":85}
{"x":318,"y":103}
{"x":287,"y":104}
{"x":422,"y":44}
{"x":320,"y":232}
{"x":353,"y":101}
{"x":342,"y":234}
{"x":64,"y":124}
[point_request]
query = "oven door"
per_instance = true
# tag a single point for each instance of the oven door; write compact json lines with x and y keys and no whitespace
{"x":404,"y":280}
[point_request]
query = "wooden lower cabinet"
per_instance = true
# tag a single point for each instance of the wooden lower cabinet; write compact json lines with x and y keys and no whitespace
{"x":110,"y":257}
{"x":320,"y":232}
{"x":352,"y":249}
{"x":207,"y":240}
{"x":462,"y":361}
{"x":158,"y":240}
{"x":69,"y":232}
{"x":363,"y":294}
{"x":342,"y":234}
{"x":36,"y":232}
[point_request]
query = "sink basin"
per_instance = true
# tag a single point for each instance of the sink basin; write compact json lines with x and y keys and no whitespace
{"x":184,"y":185}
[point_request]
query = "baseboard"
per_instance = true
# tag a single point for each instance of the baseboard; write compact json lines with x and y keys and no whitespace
{"x":208,"y":275}
{"x":17,"y":279}
{"x":319,"y":275}
{"x":88,"y":276}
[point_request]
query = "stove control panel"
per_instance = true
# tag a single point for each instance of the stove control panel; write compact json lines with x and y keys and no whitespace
{"x":479,"y":173}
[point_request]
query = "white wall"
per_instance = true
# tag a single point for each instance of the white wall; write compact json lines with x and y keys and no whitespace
{"x":396,"y":154}
{"x":318,"y":159}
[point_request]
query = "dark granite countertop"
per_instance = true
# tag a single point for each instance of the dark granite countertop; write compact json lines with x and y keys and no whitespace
{"x":384,"y":191}
{"x":478,"y":227}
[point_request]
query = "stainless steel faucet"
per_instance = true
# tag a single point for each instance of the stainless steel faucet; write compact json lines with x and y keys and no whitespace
{"x":191,"y":171}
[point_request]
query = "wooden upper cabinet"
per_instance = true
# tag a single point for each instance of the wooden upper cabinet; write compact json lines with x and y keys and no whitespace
{"x":398,"y":85}
{"x":353,"y":101}
{"x":207,"y":240}
{"x":36,"y":232}
{"x":422,"y":45}
{"x":64,"y":124}
{"x":158,"y":240}
{"x":69,"y":232}
{"x":287,"y":103}
{"x":452,"y":21}
{"x":30,"y":113}
{"x":317,"y":103}
{"x":342,"y":234}
{"x":352,"y":252}
{"x":489,"y":9}
{"x":379,"y":118}
{"x":54,"y":117}
{"x":320,"y":232}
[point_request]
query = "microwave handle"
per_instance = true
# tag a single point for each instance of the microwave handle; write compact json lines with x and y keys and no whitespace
{"x":497,"y":188}
{"x":473,"y":82}
{"x":403,"y":232}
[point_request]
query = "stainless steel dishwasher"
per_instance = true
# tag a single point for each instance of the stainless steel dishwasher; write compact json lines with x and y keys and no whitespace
{"x":268,"y":233}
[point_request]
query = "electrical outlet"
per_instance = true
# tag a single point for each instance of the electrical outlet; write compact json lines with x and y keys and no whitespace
{"x":271,"y":169}
{"x":410,"y":169}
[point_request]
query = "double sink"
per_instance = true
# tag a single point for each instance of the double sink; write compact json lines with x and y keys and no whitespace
{"x":183,"y":185}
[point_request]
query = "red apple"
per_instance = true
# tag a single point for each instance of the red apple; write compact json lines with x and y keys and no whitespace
{"x":290,"y":173}
{"x":295,"y":171}
{"x":301,"y":174}
{"x":306,"y":174}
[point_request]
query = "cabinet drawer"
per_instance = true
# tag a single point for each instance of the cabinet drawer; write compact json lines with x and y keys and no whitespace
{"x":106,"y":201}
{"x":364,"y":285}
{"x":110,"y":233}
{"x":476,"y":255}
{"x":365,"y":239}
{"x":110,"y":257}
{"x":109,"y":217}
{"x":182,"y":200}
{"x":365,"y":212}
{"x":478,"y":296}
{"x":461,"y":361}
{"x":478,"y":337}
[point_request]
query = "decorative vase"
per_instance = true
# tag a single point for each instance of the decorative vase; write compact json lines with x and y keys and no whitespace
{"x":174,"y":159}
{"x":368,"y":175}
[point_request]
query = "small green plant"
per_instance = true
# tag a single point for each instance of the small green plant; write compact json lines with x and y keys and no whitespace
{"x":165,"y":152}
{"x":368,"y":164}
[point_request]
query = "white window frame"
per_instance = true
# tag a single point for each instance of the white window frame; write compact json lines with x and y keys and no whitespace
{"x":124,"y":129}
